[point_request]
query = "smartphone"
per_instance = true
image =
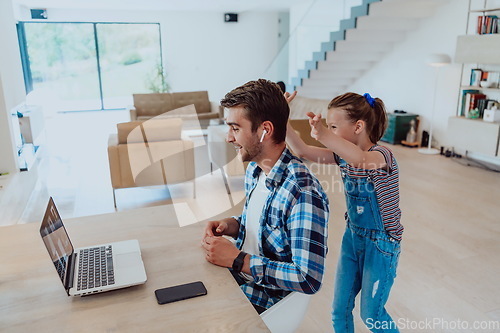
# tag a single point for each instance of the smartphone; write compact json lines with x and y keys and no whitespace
{"x":180,"y":292}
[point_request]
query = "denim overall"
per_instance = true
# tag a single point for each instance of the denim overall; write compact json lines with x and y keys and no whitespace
{"x":367,"y":261}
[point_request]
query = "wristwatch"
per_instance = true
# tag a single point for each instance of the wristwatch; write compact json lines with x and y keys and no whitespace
{"x":238,"y":262}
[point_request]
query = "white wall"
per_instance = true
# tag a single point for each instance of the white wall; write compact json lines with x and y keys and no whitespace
{"x":403,"y":80}
{"x":12,"y":90}
{"x":200,"y":50}
{"x":279,"y":66}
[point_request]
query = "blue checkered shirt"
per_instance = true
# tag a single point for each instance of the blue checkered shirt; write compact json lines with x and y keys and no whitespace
{"x":293,"y":232}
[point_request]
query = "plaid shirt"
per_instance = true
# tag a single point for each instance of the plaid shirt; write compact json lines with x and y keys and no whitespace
{"x":292,"y":233}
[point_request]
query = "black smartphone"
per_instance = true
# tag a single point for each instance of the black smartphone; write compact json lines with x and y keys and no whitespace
{"x":180,"y":292}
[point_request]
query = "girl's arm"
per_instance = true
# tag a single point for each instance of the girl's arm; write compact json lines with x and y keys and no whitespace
{"x":300,"y":148}
{"x":348,"y":151}
{"x":303,"y":150}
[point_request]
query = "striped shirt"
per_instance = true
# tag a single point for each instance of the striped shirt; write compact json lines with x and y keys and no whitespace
{"x":386,"y":183}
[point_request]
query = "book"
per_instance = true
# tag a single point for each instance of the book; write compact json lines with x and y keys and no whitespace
{"x":466,"y":101}
{"x":487,"y":24}
{"x":494,"y":25}
{"x":479,"y":25}
{"x":481,"y":106}
{"x":475,"y":77}
{"x":474,"y":98}
{"x":484,"y":76}
{"x":467,"y":104}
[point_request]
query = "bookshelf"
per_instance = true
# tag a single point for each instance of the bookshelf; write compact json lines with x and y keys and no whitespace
{"x":479,"y":54}
{"x":480,"y":88}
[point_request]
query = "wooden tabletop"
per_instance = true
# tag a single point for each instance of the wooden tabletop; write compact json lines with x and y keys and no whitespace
{"x":32,"y":298}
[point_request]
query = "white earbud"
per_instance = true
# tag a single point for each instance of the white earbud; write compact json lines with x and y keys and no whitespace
{"x":262,"y":137}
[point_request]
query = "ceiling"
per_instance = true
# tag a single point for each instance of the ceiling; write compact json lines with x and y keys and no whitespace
{"x":237,"y":6}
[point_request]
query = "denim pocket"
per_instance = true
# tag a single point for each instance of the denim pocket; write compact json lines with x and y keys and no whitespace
{"x":360,"y":211}
{"x":387,"y":247}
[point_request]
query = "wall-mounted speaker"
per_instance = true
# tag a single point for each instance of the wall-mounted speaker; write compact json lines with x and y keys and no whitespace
{"x":39,"y":14}
{"x":230,"y":17}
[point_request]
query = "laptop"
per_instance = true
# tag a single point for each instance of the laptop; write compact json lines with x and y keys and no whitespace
{"x":93,"y":269}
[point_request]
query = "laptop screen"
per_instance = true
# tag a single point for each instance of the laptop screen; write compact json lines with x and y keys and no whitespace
{"x":56,"y":240}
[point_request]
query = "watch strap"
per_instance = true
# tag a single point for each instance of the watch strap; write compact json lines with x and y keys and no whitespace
{"x":239,"y":261}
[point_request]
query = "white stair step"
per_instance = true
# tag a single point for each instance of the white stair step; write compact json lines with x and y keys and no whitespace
{"x":338,"y":73}
{"x":411,"y":9}
{"x":321,"y":93}
{"x":371,"y":35}
{"x":386,"y":23}
{"x":354,"y":66}
{"x":339,"y":56}
{"x":351,"y":46}
{"x":327,"y":94}
{"x":330,"y":83}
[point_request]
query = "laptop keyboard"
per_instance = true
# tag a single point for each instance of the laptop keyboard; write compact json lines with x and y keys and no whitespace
{"x":95,"y":268}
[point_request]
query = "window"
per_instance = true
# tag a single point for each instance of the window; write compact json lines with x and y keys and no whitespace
{"x":89,"y":66}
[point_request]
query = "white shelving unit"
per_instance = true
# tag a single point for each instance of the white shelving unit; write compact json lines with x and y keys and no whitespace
{"x":479,"y":88}
{"x":483,"y":52}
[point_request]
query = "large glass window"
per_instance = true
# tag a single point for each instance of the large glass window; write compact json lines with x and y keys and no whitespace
{"x":89,"y":66}
{"x":62,"y":59}
{"x":129,"y":56}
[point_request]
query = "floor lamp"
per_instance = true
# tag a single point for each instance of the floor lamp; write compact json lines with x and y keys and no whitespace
{"x":435,"y":60}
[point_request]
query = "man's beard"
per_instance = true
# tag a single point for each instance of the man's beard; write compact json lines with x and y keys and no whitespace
{"x":250,"y":153}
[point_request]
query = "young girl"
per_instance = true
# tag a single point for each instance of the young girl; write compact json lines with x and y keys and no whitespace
{"x":371,"y":243}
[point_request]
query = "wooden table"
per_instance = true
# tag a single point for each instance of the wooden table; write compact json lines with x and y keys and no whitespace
{"x":32,"y":298}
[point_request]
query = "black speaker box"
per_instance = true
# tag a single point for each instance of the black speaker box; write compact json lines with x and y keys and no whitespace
{"x":425,"y":139}
{"x":230,"y":17}
{"x":39,"y":14}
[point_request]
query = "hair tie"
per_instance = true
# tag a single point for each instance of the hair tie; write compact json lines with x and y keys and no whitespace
{"x":369,"y":99}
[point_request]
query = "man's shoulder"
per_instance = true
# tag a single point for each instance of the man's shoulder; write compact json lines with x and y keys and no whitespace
{"x":297,"y":168}
{"x":300,"y":175}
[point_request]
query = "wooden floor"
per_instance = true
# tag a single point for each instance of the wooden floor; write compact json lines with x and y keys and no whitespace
{"x":449,"y":270}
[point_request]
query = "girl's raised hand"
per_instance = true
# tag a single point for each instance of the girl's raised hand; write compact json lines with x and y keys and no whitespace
{"x":317,"y":128}
{"x":289,"y":97}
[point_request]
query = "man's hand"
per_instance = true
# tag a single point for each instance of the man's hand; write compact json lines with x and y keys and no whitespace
{"x":215,"y":228}
{"x":289,"y":97}
{"x":219,"y":251}
{"x":318,"y":131}
{"x":228,"y":226}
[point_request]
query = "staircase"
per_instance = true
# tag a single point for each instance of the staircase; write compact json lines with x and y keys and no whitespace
{"x":364,"y":39}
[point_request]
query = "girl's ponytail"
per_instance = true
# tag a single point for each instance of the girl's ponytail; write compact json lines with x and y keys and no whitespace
{"x":379,"y":124}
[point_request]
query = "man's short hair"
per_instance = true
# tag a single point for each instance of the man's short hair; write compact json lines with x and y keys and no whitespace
{"x":262,"y":101}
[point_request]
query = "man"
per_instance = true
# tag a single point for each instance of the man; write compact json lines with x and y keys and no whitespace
{"x":281,"y":236}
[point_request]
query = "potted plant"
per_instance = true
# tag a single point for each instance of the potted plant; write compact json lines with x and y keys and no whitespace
{"x":157,"y":80}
